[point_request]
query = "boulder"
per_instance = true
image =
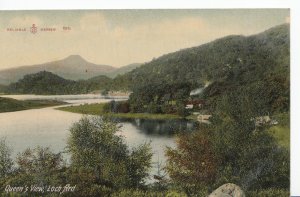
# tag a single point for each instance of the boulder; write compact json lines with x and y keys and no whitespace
{"x":228,"y":190}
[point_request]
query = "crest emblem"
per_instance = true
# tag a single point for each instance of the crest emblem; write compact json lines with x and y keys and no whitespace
{"x":33,"y":29}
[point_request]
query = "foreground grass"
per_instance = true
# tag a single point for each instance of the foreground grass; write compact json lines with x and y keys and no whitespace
{"x":281,"y":132}
{"x":10,"y":105}
{"x":97,"y":109}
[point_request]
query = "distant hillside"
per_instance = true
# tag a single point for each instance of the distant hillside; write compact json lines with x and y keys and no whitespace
{"x":216,"y":60}
{"x":73,"y":67}
{"x":257,"y":63}
{"x":2,"y":88}
{"x":45,"y":82}
{"x":123,"y":70}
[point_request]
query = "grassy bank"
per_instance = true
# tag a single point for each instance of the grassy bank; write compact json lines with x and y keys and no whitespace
{"x":97,"y":109}
{"x":281,"y":132}
{"x":10,"y":105}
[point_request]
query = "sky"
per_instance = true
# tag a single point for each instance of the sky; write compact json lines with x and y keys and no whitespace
{"x":122,"y":37}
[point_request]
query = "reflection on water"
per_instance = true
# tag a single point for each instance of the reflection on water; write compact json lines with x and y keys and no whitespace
{"x":159,"y":132}
{"x":162,"y":127}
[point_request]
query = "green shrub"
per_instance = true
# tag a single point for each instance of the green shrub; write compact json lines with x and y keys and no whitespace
{"x":269,"y":193}
{"x":141,"y":193}
{"x":6,"y":162}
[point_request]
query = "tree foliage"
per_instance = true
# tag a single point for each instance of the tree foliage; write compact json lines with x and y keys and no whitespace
{"x":234,"y":149}
{"x":193,"y":165}
{"x":237,"y":58}
{"x":99,"y":151}
{"x":6,"y":162}
{"x":48,"y":83}
{"x":101,"y":162}
{"x":161,"y":98}
{"x":39,"y":167}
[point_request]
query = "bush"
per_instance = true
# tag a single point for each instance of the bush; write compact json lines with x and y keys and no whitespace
{"x":269,"y":193}
{"x":116,"y":107}
{"x":153,"y":108}
{"x":6,"y":162}
{"x":123,"y":107}
{"x":181,"y":110}
{"x":141,"y":193}
{"x":168,"y":109}
{"x":38,"y":166}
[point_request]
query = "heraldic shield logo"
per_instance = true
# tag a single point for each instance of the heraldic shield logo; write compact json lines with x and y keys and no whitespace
{"x":33,"y":29}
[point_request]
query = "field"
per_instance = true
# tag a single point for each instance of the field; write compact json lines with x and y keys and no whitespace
{"x":10,"y":105}
{"x":97,"y":109}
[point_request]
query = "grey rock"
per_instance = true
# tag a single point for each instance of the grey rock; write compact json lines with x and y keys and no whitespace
{"x":228,"y":190}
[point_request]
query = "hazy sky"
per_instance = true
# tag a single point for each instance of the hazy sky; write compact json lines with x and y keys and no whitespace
{"x":121,"y":37}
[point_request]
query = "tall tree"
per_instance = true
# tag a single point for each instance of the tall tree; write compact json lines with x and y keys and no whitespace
{"x":100,"y":152}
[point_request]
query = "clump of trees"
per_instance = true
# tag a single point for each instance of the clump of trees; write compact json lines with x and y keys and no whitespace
{"x":101,"y":157}
{"x":101,"y":162}
{"x":160,"y":97}
{"x":38,"y":167}
{"x":116,"y":107}
{"x":154,"y":98}
{"x":231,"y":149}
{"x":48,"y":83}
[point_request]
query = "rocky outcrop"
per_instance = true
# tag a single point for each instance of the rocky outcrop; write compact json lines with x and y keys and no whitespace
{"x":228,"y":190}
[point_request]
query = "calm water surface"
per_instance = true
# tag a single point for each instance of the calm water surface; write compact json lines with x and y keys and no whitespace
{"x":50,"y":127}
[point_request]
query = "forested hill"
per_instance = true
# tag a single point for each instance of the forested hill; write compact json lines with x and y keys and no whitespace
{"x":48,"y":83}
{"x":243,"y":67}
{"x":252,"y":57}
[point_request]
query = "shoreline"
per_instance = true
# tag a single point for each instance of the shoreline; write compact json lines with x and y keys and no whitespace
{"x":13,"y":105}
{"x":97,"y":109}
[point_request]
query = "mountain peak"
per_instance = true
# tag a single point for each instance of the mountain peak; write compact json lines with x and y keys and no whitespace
{"x":75,"y":57}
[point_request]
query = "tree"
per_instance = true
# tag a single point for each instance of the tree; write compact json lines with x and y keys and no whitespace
{"x":39,"y":166}
{"x":249,"y":155}
{"x":99,"y":152}
{"x":6,"y":162}
{"x":181,"y":110}
{"x":39,"y":161}
{"x":193,"y":165}
{"x":139,"y":165}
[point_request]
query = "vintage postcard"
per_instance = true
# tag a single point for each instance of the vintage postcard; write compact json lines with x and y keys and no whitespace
{"x":145,"y":102}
